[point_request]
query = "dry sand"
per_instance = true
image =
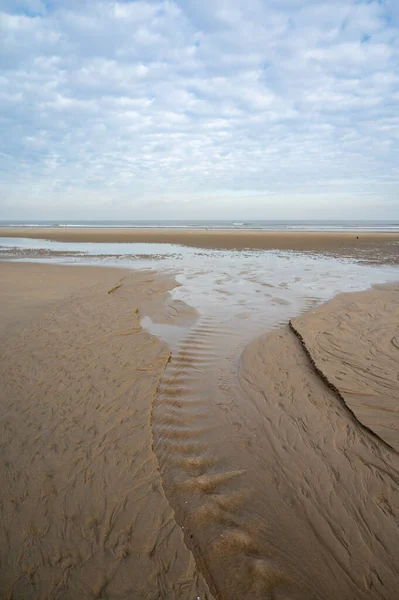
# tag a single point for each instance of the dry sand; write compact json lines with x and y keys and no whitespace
{"x":82,"y":510}
{"x":279,"y":491}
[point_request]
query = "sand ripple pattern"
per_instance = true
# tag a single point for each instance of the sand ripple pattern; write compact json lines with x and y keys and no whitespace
{"x":279,"y":492}
{"x":83,"y":515}
{"x":354,"y":343}
{"x":205,"y":479}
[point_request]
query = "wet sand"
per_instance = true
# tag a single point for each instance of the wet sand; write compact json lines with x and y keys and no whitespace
{"x":264,"y":240}
{"x":82,"y":510}
{"x":353,"y":341}
{"x":284,"y":494}
{"x":278,"y":490}
{"x":335,"y":485}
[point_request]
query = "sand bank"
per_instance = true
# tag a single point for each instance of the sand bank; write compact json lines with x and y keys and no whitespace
{"x":82,"y":511}
{"x":330,"y":487}
{"x":267,"y":240}
{"x":353,"y":341}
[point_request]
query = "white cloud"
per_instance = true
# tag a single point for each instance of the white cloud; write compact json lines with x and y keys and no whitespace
{"x":127,"y":105}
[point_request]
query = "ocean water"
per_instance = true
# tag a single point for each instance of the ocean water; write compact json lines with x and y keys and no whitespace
{"x":267,"y":225}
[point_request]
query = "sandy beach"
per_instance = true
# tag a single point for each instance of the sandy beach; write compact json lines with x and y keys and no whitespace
{"x":132,"y":472}
{"x":199,"y":300}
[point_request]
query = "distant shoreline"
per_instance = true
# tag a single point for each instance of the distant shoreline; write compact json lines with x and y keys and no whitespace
{"x":213,"y":239}
{"x":336,"y":226}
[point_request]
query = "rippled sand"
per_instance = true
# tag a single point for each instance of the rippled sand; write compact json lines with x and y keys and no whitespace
{"x":280,"y":491}
{"x":269,"y":486}
{"x":353,"y":342}
{"x":82,"y":510}
{"x":335,"y":484}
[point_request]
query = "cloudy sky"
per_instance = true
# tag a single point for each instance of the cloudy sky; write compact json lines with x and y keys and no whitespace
{"x":199,"y":109}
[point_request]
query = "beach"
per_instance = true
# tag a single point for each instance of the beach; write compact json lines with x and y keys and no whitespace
{"x":240,"y":459}
{"x":239,"y":239}
{"x":199,"y":300}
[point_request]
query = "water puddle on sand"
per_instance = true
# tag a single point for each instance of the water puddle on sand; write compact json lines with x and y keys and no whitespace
{"x":234,"y":494}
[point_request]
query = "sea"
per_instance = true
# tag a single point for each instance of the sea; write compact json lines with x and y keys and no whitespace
{"x":266,"y":225}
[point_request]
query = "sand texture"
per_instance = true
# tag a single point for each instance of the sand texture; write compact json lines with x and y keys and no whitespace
{"x":128,"y":472}
{"x":283,"y":494}
{"x":331,"y":493}
{"x":353,"y":342}
{"x":82,"y":510}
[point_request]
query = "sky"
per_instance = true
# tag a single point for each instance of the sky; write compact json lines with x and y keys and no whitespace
{"x":224,"y":109}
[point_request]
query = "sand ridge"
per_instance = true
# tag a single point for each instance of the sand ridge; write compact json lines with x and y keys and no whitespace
{"x":337,"y":485}
{"x":353,"y":341}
